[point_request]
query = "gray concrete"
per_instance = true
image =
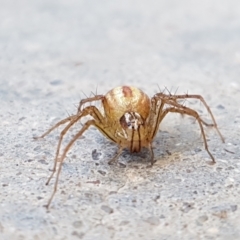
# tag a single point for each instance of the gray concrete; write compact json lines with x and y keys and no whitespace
{"x":54,"y":52}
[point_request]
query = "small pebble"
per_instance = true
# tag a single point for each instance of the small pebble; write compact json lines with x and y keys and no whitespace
{"x":42,"y":161}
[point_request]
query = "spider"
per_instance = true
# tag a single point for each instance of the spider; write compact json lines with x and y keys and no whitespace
{"x":130,"y":119}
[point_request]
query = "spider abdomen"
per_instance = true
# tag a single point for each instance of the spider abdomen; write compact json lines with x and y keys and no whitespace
{"x":123,"y":99}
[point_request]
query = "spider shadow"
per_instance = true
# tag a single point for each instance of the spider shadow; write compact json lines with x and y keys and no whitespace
{"x":181,"y":140}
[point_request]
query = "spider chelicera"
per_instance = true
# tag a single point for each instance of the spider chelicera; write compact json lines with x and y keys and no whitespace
{"x":130,"y":119}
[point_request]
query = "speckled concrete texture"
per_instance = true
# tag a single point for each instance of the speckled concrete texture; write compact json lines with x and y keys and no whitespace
{"x":54,"y":53}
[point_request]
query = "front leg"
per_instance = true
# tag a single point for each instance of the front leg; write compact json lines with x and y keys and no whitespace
{"x":193,"y":113}
{"x":173,"y":100}
{"x":90,"y":110}
{"x":90,"y":99}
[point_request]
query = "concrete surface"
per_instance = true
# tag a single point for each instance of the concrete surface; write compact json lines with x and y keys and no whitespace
{"x":54,"y":52}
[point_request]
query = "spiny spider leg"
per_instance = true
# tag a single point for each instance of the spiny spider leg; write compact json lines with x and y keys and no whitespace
{"x":63,"y":132}
{"x":66,"y":149}
{"x":152,"y":122}
{"x":55,"y":126}
{"x":193,"y":96}
{"x":116,"y":156}
{"x":205,"y":123}
{"x":90,"y":110}
{"x":79,"y":134}
{"x":91,"y":99}
{"x":193,"y":113}
{"x":180,"y":106}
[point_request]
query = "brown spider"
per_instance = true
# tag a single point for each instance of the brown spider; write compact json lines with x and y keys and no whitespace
{"x":129,"y":118}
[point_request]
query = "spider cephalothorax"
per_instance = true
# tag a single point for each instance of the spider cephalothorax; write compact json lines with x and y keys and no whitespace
{"x":130,"y":119}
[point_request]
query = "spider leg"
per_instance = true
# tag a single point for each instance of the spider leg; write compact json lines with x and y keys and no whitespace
{"x":66,"y":149}
{"x":153,"y":122}
{"x":98,"y":122}
{"x":151,"y":154}
{"x":193,"y":113}
{"x":155,"y":110}
{"x":178,"y":105}
{"x":175,"y":98}
{"x":55,"y":126}
{"x":90,"y":99}
{"x":90,"y":110}
{"x":63,"y":132}
{"x":116,"y":156}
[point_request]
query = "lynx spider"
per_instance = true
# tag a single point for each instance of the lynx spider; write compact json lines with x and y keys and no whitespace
{"x":130,"y":119}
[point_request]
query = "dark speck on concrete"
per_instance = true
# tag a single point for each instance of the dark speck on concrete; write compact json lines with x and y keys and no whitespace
{"x":102,"y":172}
{"x":96,"y":155}
{"x":56,"y":82}
{"x":42,"y":161}
{"x":220,"y":106}
{"x":107,"y":209}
